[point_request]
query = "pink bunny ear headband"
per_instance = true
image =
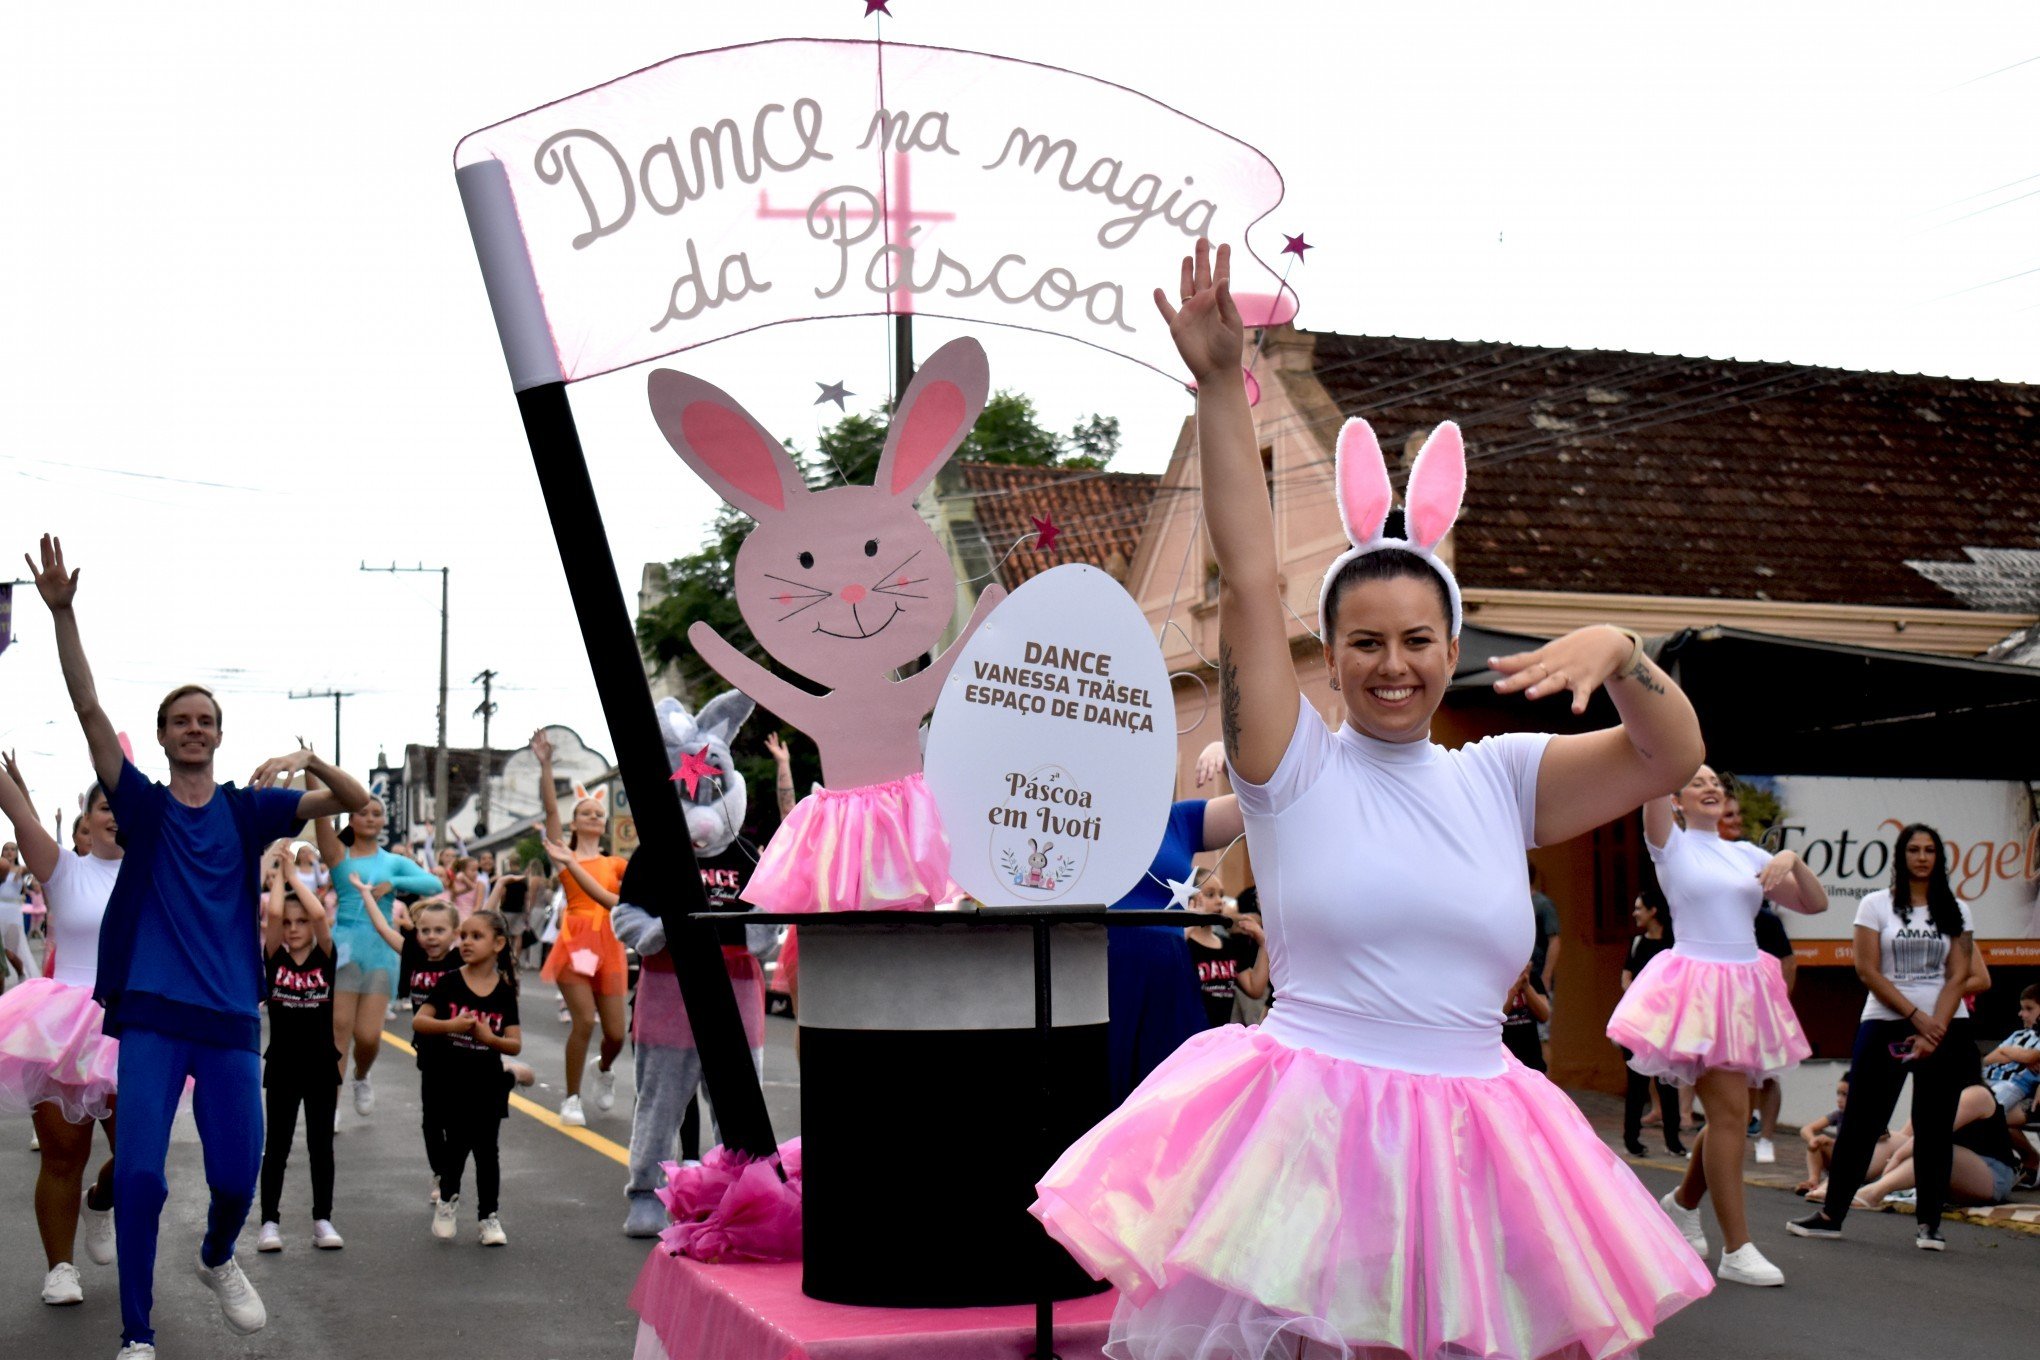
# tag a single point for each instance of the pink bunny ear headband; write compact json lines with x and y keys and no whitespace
{"x":1431,"y":504}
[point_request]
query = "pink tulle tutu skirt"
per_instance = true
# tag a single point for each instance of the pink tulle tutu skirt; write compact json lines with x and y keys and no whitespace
{"x":52,"y":1050}
{"x":1683,"y":1016}
{"x":1253,"y":1200}
{"x":876,"y":848}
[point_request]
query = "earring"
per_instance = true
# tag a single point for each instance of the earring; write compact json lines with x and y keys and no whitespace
{"x":1335,"y":684}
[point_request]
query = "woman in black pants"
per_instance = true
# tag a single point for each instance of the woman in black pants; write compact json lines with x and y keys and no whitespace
{"x":1653,"y":917}
{"x":1915,"y":954}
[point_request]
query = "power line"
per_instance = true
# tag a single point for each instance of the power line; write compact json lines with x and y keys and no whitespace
{"x":1986,"y":75}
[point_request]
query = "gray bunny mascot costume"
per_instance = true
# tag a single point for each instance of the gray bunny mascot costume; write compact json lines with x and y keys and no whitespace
{"x":668,"y":1069}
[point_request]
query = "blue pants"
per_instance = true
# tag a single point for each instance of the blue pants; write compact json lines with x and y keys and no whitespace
{"x":227,"y":1104}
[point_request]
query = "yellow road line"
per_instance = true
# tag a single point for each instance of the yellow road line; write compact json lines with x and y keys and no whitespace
{"x":613,"y":1151}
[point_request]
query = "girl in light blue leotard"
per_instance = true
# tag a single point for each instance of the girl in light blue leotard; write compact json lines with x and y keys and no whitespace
{"x":366,"y":973}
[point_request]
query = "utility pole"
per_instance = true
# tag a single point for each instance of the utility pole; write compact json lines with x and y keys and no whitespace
{"x":439,"y":808}
{"x":336,"y":695}
{"x":485,"y":710}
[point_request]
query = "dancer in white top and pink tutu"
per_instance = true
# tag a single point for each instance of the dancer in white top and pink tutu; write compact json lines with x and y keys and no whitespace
{"x":1711,"y":1011}
{"x":1370,"y":1173}
{"x":55,"y":1064}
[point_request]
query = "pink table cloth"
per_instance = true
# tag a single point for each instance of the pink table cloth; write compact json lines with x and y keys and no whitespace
{"x":694,"y":1311}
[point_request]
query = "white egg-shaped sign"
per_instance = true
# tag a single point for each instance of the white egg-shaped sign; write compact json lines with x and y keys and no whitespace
{"x":1052,"y":753}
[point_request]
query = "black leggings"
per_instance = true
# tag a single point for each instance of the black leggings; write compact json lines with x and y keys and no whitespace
{"x":474,"y":1113}
{"x":1874,"y":1081}
{"x":1636,"y":1095}
{"x":432,"y":1095}
{"x":318,"y":1090}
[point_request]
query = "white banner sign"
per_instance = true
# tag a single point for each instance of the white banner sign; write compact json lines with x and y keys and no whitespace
{"x":1844,"y":829}
{"x":1052,"y":753}
{"x":722,"y":191}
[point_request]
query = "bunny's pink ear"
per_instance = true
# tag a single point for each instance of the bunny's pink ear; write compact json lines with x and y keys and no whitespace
{"x":1364,"y":495}
{"x":725,"y":447}
{"x":941,"y":404}
{"x":1437,"y":485}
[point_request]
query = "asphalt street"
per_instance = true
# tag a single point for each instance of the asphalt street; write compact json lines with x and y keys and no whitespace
{"x":559,"y":1291}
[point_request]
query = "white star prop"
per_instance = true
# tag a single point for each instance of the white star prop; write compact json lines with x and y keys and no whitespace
{"x":1180,"y":893}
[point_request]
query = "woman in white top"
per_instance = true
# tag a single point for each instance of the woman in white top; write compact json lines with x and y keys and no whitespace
{"x":1370,"y":1171}
{"x":1918,"y":960}
{"x":1712,"y":1010}
{"x":55,"y":1064}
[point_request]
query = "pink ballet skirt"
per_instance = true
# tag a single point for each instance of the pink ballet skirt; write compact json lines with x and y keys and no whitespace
{"x":876,"y":848}
{"x":734,"y":1208}
{"x":52,"y":1050}
{"x":1685,"y":1015}
{"x":1254,"y":1200}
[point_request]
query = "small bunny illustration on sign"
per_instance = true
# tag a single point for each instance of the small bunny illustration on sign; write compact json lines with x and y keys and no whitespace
{"x":844,"y":585}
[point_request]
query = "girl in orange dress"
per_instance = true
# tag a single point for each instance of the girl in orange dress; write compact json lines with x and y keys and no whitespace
{"x":587,"y":962}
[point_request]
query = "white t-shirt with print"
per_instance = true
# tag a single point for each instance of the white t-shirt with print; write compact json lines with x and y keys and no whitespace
{"x":1913,"y":956}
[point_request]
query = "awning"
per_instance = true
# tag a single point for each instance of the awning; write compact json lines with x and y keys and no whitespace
{"x":1780,"y":704}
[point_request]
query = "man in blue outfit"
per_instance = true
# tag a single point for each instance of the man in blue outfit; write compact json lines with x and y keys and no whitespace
{"x":180,"y":964}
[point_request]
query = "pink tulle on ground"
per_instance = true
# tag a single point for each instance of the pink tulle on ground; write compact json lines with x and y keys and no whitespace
{"x":52,"y":1050}
{"x":1683,"y":1016}
{"x":878,"y":848}
{"x":1251,"y":1198}
{"x":734,"y":1208}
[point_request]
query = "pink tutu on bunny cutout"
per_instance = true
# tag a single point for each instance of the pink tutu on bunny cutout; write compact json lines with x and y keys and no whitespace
{"x":880,"y":848}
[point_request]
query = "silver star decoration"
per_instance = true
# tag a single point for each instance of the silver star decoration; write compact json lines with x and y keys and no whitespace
{"x":835,"y":392}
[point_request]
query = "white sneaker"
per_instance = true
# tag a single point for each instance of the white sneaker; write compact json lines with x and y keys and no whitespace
{"x":61,"y":1285}
{"x":239,"y":1303}
{"x":98,"y":1234}
{"x":492,"y":1234}
{"x":570,"y":1113}
{"x":1767,"y":1152}
{"x":1687,"y":1221}
{"x":364,"y":1095}
{"x":1746,"y":1265}
{"x":605,"y":1090}
{"x":34,"y":1141}
{"x":136,"y":1350}
{"x":325,"y":1236}
{"x":443,"y":1224}
{"x":270,"y":1238}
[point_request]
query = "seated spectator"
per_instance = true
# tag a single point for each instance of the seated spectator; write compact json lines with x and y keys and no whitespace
{"x":2013,"y":1071}
{"x":1985,"y":1166}
{"x":1819,"y":1136}
{"x":1236,"y":960}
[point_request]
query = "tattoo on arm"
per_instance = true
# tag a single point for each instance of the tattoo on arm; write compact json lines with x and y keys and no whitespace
{"x":1229,"y":700}
{"x":1643,"y":675}
{"x":784,"y":790}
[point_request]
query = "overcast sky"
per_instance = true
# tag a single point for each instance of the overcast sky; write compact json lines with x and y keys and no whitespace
{"x":249,"y":346}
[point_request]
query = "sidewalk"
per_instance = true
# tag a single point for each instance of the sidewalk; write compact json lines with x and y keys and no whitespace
{"x":1604,"y":1112}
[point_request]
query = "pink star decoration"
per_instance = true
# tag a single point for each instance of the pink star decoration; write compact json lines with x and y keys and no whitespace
{"x":1045,"y":532}
{"x":872,"y":7}
{"x":694,"y":767}
{"x":1295,"y":245}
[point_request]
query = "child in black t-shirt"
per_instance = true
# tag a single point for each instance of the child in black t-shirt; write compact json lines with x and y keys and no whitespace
{"x":302,"y":1065}
{"x":473,"y":1011}
{"x":1522,"y":1011}
{"x":428,"y":955}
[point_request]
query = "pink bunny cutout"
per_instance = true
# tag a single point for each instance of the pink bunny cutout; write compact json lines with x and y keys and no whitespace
{"x":844,"y":585}
{"x":1430,"y":506}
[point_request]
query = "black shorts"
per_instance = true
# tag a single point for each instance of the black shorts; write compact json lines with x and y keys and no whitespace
{"x":1771,"y":936}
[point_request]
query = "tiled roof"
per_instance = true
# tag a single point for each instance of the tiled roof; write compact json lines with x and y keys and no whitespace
{"x":1100,"y":515}
{"x":1603,"y":470}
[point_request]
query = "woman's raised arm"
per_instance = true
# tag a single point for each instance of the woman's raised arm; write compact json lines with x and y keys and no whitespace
{"x":1257,"y":687}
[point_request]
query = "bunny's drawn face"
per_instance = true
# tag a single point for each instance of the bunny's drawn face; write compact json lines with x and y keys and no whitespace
{"x":846,"y":583}
{"x":851,"y":587}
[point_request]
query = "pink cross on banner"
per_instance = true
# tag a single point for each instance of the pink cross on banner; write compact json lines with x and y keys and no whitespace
{"x":719,"y":192}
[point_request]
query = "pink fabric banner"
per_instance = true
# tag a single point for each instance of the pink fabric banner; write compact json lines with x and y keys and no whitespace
{"x":722,"y":191}
{"x":757,"y":1312}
